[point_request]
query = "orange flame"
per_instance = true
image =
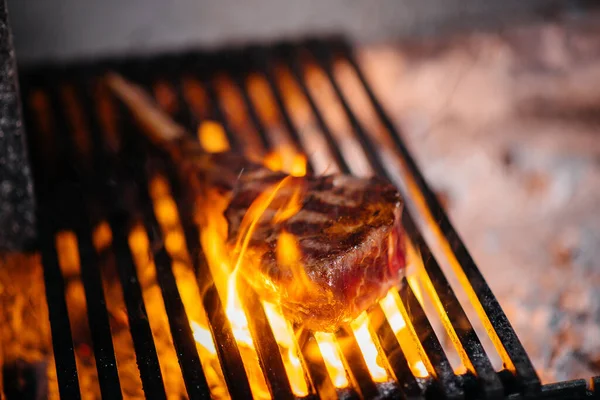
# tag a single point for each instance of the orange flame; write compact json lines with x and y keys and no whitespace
{"x":212,"y":137}
{"x":247,"y":227}
{"x":395,"y":313}
{"x":293,"y":206}
{"x":168,"y":218}
{"x":333,"y":360}
{"x":226,"y":265}
{"x":286,"y":159}
{"x":415,"y":268}
{"x":203,"y":337}
{"x":227,"y":261}
{"x":288,"y":256}
{"x":166,"y":211}
{"x":392,"y":313}
{"x":284,"y":335}
{"x":364,"y":338}
{"x":213,"y":237}
{"x":102,"y":236}
{"x":419,"y":370}
{"x":236,"y":314}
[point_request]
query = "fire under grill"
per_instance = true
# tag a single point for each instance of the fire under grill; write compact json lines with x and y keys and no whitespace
{"x":132,"y":305}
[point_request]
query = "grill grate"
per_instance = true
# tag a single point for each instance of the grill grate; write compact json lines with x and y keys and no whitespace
{"x":87,"y":174}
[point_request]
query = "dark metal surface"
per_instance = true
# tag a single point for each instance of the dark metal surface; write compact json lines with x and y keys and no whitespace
{"x":115,"y":188}
{"x":17,"y":206}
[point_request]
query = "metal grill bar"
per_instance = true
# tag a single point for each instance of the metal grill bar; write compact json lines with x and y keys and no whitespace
{"x":239,"y":78}
{"x":447,"y":381}
{"x":229,"y":354}
{"x":473,"y":348}
{"x":267,"y":348}
{"x":64,"y":356}
{"x":150,"y":373}
{"x":184,"y":114}
{"x":183,"y":339}
{"x":90,"y":273}
{"x":261,"y":62}
{"x":458,"y":319}
{"x":293,"y":63}
{"x":432,"y":345}
{"x":397,"y":362}
{"x":217,"y":111}
{"x":324,"y":59}
{"x":508,"y":338}
{"x":266,"y":345}
{"x":408,"y":384}
{"x":316,"y":366}
{"x":181,"y":332}
{"x":357,"y":365}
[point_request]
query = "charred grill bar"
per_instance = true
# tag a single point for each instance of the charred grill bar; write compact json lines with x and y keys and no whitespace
{"x":83,"y":179}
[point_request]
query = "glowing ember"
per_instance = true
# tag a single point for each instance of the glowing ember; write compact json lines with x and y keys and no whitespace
{"x":261,"y":95}
{"x":203,"y":337}
{"x":212,"y":137}
{"x":159,"y":189}
{"x":332,"y":357}
{"x":461,"y":370}
{"x":364,"y":338}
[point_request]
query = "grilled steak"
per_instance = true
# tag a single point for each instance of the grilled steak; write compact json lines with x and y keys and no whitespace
{"x":324,"y":247}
